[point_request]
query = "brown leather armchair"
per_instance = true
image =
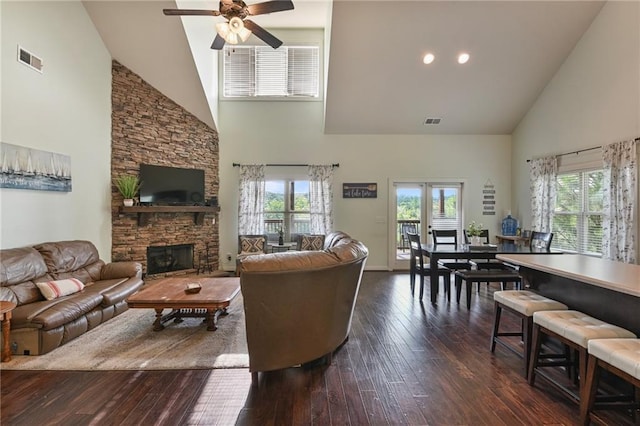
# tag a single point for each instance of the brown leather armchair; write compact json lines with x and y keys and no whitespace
{"x":299,"y":304}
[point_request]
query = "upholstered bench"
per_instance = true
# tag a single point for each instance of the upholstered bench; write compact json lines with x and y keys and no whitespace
{"x":618,"y":356}
{"x":574,"y":329}
{"x":475,"y":276}
{"x":523,"y":304}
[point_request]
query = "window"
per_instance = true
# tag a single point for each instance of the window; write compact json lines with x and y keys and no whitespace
{"x":577,"y":220}
{"x":286,"y":207}
{"x":261,"y":71}
{"x":446,"y":207}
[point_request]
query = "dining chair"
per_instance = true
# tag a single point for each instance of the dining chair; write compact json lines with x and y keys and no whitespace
{"x":484,"y":264}
{"x":537,"y":240}
{"x":418,"y":265}
{"x":404,"y":228}
{"x":449,"y":237}
{"x":540,"y":240}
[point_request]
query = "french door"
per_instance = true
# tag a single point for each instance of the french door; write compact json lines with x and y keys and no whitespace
{"x":419,"y":207}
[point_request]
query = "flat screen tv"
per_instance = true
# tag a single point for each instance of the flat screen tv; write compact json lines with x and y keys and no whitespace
{"x":161,"y":185}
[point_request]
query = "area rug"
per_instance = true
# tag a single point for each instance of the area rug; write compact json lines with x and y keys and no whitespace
{"x":127,"y":342}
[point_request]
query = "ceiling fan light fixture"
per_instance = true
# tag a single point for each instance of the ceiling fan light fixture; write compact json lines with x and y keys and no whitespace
{"x":230,"y":35}
{"x":235,"y":12}
{"x":244,"y":34}
{"x":236,"y":24}
{"x":223,"y":29}
{"x":232,"y":38}
{"x":233,"y":31}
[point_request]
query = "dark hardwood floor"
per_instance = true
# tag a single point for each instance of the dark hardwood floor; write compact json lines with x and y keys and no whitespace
{"x":405,"y":362}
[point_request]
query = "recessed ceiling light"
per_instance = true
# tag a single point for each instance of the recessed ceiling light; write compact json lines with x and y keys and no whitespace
{"x":463,"y":58}
{"x":428,"y":58}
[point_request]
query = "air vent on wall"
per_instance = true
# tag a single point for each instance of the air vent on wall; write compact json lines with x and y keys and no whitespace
{"x":29,"y":59}
{"x":430,"y":120}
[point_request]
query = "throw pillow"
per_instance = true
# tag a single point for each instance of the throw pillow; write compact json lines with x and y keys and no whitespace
{"x":312,"y":242}
{"x":252,"y":245}
{"x":54,"y":289}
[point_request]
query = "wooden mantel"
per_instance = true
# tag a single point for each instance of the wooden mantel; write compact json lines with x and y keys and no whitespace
{"x":144,"y":212}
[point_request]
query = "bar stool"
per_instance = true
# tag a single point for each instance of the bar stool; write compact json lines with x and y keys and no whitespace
{"x":521,"y":303}
{"x":474,"y":276}
{"x":575,"y":330}
{"x":618,"y":356}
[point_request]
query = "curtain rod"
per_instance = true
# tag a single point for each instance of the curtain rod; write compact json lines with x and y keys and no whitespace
{"x":287,"y":165}
{"x":582,"y":150}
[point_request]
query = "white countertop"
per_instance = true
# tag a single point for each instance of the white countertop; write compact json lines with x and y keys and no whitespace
{"x":617,"y":276}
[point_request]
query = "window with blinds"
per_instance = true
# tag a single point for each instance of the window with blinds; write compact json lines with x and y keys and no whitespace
{"x":261,"y":71}
{"x":577,"y":219}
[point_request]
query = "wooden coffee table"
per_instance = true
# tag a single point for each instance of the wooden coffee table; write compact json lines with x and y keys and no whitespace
{"x":168,"y":293}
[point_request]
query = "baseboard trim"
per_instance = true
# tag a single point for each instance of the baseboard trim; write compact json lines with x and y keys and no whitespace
{"x":377,"y":268}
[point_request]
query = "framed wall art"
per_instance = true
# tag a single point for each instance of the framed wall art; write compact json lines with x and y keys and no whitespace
{"x":359,"y":190}
{"x":29,"y":168}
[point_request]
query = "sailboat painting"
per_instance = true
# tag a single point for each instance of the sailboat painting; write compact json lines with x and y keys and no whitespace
{"x":29,"y":168}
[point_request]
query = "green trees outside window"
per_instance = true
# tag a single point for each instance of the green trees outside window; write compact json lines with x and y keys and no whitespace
{"x":577,"y":219}
{"x":286,"y":208}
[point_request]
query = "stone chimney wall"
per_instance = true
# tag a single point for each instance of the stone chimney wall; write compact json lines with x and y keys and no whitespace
{"x":149,"y":128}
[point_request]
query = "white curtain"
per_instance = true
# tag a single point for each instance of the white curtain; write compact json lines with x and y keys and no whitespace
{"x":251,"y":201}
{"x":619,"y":199}
{"x":321,"y":198}
{"x":542,"y":180}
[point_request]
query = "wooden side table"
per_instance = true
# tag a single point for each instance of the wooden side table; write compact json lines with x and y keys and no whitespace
{"x":5,"y":318}
{"x":513,"y":239}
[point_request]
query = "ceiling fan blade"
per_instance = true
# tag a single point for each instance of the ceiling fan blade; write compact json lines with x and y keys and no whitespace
{"x":218,"y":43}
{"x":198,"y":12}
{"x":262,"y":34}
{"x":269,"y":7}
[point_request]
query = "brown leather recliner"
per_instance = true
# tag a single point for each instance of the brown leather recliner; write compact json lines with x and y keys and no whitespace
{"x":298,"y":305}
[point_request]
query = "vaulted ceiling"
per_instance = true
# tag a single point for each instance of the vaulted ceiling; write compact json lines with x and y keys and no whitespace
{"x":376,"y":82}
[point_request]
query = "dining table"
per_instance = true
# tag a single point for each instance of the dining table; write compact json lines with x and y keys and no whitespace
{"x":436,"y":252}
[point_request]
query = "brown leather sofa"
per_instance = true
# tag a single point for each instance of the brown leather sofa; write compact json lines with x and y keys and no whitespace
{"x":299,"y":304}
{"x":39,"y":325}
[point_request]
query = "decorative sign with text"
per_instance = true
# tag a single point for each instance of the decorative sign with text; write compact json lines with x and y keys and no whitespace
{"x":359,"y":190}
{"x":488,"y":199}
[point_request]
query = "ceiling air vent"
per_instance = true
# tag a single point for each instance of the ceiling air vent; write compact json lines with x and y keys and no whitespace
{"x":29,"y":59}
{"x":430,"y":120}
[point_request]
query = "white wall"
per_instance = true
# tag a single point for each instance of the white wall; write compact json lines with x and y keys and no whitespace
{"x":291,"y":132}
{"x":256,"y":132}
{"x":593,"y":100}
{"x":67,"y":109}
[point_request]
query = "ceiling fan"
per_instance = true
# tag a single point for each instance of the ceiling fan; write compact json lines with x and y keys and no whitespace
{"x":237,"y":26}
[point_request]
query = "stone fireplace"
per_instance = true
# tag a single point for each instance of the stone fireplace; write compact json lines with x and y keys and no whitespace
{"x":161,"y":259}
{"x":149,"y":128}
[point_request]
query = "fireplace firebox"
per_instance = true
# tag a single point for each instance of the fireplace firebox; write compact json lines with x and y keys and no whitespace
{"x":161,"y":259}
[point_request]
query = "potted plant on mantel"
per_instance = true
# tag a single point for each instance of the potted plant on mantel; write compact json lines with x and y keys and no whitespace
{"x":128,"y":186}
